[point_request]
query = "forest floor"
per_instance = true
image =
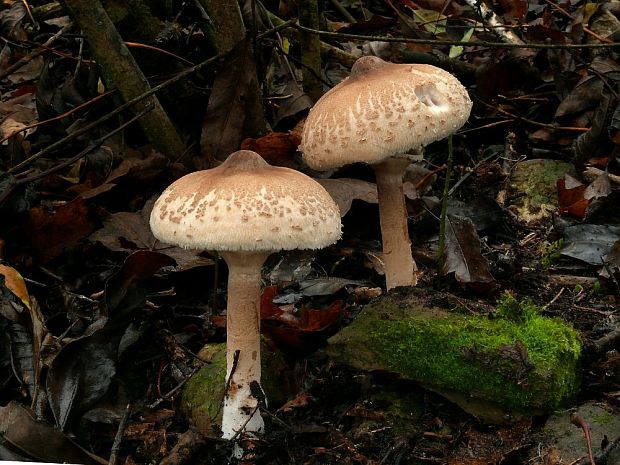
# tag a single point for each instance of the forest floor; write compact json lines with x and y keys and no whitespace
{"x":101,"y":326}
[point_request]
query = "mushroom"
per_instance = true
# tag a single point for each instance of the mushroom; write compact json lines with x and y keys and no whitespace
{"x":378,"y":113}
{"x":246,"y":209}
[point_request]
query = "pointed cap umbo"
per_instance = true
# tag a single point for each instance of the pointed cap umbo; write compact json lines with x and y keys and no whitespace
{"x":382,"y":109}
{"x":246,"y":204}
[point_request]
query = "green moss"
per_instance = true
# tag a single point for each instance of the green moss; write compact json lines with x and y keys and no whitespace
{"x":536,"y":179}
{"x":603,"y":419}
{"x":526,"y":366}
{"x":203,"y":394}
{"x":509,"y":308}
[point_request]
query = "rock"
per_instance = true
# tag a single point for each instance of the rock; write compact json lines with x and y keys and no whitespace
{"x":203,"y":394}
{"x":533,"y":185}
{"x":493,"y":368}
{"x":565,"y":442}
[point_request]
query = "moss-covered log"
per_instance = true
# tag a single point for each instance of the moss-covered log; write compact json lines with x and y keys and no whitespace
{"x":529,"y":366}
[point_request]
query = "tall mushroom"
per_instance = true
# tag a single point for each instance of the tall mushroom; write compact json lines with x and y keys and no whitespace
{"x":378,"y":113}
{"x":246,"y":209}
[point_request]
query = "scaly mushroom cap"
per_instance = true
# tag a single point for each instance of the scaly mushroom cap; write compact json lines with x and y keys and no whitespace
{"x":382,"y":109}
{"x":246,"y":204}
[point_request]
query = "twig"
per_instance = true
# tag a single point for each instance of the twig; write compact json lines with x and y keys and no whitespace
{"x":60,"y":117}
{"x":469,"y":173}
{"x":28,"y":58}
{"x":28,"y":179}
{"x":477,"y":43}
{"x":422,"y":183}
{"x":278,"y":28}
{"x":343,"y":11}
{"x":186,"y":449}
{"x":552,"y":301}
{"x":172,"y":391}
{"x":158,"y":50}
{"x":581,"y":423}
{"x":119,"y":436}
{"x":489,"y":17}
{"x":118,"y":110}
{"x":535,"y":123}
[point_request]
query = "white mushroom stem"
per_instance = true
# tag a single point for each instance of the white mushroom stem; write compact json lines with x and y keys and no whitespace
{"x":241,"y":413}
{"x":400,"y":268}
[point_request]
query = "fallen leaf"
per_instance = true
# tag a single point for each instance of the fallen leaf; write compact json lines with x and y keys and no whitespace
{"x":51,"y":232}
{"x":15,"y":283}
{"x":130,"y":231}
{"x":463,"y":257}
{"x":277,"y":148}
{"x":612,"y":263}
{"x":83,"y":370}
{"x":229,"y":119}
{"x":571,"y":196}
{"x":345,"y":190}
{"x":589,"y":243}
{"x":302,"y":330}
{"x":17,"y":113}
{"x":38,"y":440}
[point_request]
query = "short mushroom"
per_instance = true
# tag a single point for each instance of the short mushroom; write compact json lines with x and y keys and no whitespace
{"x":378,"y":113}
{"x":246,"y":209}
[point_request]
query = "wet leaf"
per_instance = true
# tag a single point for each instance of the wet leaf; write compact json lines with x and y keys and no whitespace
{"x":25,"y":328}
{"x":303,"y":399}
{"x":294,"y":102}
{"x":277,"y":148}
{"x":229,"y":120}
{"x":81,"y":373}
{"x":612,"y":262}
{"x":26,"y":343}
{"x":11,"y":20}
{"x":345,"y":190}
{"x":599,"y":188}
{"x":17,"y":113}
{"x":38,"y":440}
{"x":325,"y":286}
{"x":130,"y":231}
{"x":463,"y":257}
{"x":589,"y":243}
{"x":136,"y":169}
{"x":514,"y":10}
{"x":137,"y":267}
{"x":571,"y":196}
{"x":51,"y":232}
{"x":301,"y":330}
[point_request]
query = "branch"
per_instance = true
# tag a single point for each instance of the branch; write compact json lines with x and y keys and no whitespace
{"x":489,"y":17}
{"x":476,"y":43}
{"x":28,"y":58}
{"x":118,"y":110}
{"x":119,"y":69}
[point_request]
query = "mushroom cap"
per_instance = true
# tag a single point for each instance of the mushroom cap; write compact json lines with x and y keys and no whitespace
{"x":246,"y":204}
{"x":382,"y":109}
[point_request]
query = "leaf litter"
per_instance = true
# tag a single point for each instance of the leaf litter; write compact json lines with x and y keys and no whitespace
{"x":104,"y":316}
